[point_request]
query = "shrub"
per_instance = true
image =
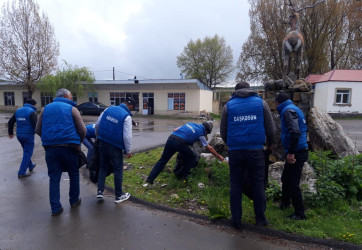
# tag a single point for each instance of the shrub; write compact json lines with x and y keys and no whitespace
{"x":337,"y":178}
{"x":273,"y":191}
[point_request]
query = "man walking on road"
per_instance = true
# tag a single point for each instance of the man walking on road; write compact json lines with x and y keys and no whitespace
{"x":246,"y":125}
{"x":61,"y":129}
{"x":294,"y":141}
{"x":26,"y":120}
{"x":114,"y":133}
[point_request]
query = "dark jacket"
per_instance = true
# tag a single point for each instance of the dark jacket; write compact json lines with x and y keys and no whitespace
{"x":267,"y":117}
{"x":293,"y":127}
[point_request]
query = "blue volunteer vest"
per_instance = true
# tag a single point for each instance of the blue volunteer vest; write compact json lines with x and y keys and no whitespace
{"x":91,"y":131}
{"x":285,"y":135}
{"x":111,"y":125}
{"x":245,"y":119}
{"x":190,"y":132}
{"x":24,"y":125}
{"x":57,"y":124}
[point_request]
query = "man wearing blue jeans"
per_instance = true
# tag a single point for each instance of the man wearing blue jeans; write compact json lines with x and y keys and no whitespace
{"x":26,"y":120}
{"x":61,"y":129}
{"x":246,"y":127}
{"x":114,"y":133}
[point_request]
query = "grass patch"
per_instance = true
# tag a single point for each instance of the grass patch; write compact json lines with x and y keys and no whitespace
{"x":339,"y":220}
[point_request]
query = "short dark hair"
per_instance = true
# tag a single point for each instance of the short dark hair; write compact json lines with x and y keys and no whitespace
{"x":281,"y":97}
{"x":30,"y":101}
{"x":242,"y":85}
{"x":131,"y":101}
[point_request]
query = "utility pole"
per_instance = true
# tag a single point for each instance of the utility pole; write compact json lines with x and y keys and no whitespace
{"x":114,"y":76}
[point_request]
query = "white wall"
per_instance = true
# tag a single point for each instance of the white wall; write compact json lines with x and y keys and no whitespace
{"x":196,"y":99}
{"x":206,"y":100}
{"x":325,"y":94}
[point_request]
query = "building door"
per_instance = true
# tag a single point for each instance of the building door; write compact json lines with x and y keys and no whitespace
{"x":148,"y":104}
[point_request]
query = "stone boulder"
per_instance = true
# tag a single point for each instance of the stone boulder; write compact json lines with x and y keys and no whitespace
{"x":308,"y":175}
{"x":274,"y":85}
{"x":300,"y":86}
{"x":218,"y":144}
{"x":207,"y":156}
{"x":326,"y":134}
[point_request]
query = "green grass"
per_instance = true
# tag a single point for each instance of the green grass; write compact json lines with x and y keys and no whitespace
{"x":339,"y":221}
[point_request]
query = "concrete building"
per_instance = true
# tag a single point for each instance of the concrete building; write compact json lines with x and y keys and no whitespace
{"x":179,"y":97}
{"x":337,"y":91}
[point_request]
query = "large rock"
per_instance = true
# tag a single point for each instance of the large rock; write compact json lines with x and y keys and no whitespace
{"x":218,"y":144}
{"x":326,"y":134}
{"x":308,"y":175}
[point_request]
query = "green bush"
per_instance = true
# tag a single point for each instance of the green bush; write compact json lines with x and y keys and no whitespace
{"x":337,"y":179}
{"x":273,"y":191}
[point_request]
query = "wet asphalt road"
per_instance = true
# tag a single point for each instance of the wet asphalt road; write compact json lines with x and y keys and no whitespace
{"x":26,"y":223}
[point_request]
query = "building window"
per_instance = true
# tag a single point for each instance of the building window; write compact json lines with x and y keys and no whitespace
{"x":9,"y":99}
{"x":176,"y":101}
{"x":46,"y":98}
{"x":25,"y":96}
{"x":93,"y":97}
{"x":343,"y":97}
{"x":117,"y":98}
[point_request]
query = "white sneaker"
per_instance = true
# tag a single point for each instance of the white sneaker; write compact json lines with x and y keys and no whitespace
{"x":122,"y":198}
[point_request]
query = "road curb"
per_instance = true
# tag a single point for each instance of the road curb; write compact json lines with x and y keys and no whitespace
{"x":245,"y":227}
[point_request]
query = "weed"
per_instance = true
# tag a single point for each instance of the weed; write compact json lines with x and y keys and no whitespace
{"x":334,"y":212}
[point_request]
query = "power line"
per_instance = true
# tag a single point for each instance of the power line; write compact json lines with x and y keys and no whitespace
{"x":125,"y":73}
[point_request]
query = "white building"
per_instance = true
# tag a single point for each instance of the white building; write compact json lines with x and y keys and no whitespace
{"x":184,"y":97}
{"x":338,"y":91}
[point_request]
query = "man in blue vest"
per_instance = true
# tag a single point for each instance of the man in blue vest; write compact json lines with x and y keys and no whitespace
{"x":246,"y":127}
{"x":61,"y":129}
{"x":26,"y":120}
{"x":179,"y":141}
{"x":114,"y":133}
{"x":294,"y":141}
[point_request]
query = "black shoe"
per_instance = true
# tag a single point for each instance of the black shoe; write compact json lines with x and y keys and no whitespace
{"x":23,"y":175}
{"x":59,"y":212}
{"x":297,"y":217}
{"x":77,"y":203}
{"x":235,"y":225}
{"x":262,"y":224}
{"x":31,"y":169}
{"x":149,"y":181}
{"x":99,"y":194}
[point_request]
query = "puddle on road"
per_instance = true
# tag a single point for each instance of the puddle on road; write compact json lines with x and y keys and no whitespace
{"x":143,"y":124}
{"x":4,"y":118}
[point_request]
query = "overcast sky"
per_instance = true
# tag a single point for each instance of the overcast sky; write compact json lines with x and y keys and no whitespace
{"x":141,"y":37}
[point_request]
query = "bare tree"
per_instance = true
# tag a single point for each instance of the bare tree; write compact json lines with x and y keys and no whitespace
{"x":331,"y":31}
{"x":28,"y":48}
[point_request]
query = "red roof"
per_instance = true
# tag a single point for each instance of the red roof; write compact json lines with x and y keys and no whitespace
{"x":344,"y":75}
